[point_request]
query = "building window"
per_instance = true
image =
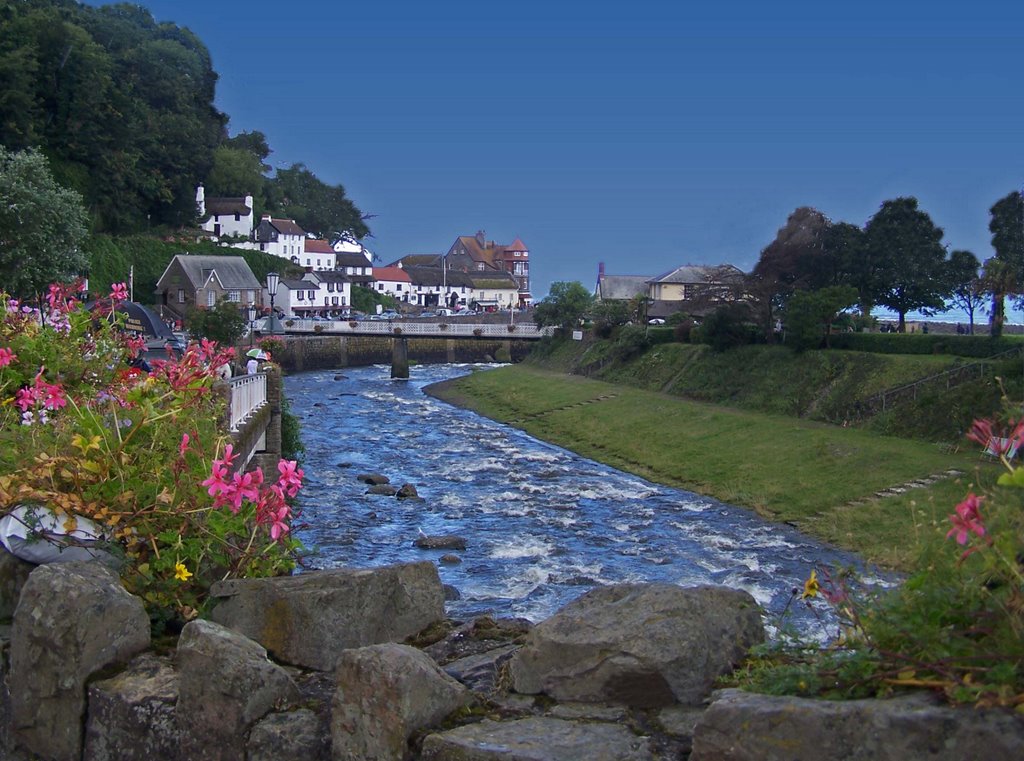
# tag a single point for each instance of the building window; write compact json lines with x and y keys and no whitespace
{"x":312,"y":295}
{"x":307,"y":261}
{"x":211,"y":298}
{"x":334,"y":300}
{"x":517,"y":253}
{"x":263,"y":247}
{"x":238,"y":217}
{"x":181,"y":295}
{"x":299,"y":296}
{"x":330,"y":286}
{"x":380,"y":286}
{"x":398,"y":286}
{"x":235,"y":296}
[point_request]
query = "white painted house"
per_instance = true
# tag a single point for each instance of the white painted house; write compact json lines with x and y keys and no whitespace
{"x":318,"y":255}
{"x":332,"y":297}
{"x":394,"y":282}
{"x":281,"y":237}
{"x":225,"y":217}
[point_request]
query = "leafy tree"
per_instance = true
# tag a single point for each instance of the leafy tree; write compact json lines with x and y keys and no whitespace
{"x":236,"y":173}
{"x":1007,"y":228}
{"x":564,"y":306}
{"x":366,"y":299}
{"x":968,"y":289}
{"x":810,"y":314}
{"x":319,"y":208}
{"x":911,"y":261}
{"x":225,"y":323}
{"x":848,"y":262}
{"x":788,"y":263}
{"x":609,"y":314}
{"x":42,"y":225}
{"x":998,"y":278}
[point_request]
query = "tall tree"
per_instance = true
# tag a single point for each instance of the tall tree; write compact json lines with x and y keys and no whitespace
{"x":998,"y":280}
{"x":810,"y":314}
{"x":42,"y":225}
{"x":911,"y":259}
{"x":1007,"y":228}
{"x":847,"y":262}
{"x":967,"y":287}
{"x":786,"y":264}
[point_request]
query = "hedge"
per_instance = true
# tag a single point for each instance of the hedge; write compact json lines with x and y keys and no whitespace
{"x":661,"y":334}
{"x":922,"y":343}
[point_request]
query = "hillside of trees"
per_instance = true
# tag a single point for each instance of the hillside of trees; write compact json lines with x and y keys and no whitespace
{"x":123,"y":109}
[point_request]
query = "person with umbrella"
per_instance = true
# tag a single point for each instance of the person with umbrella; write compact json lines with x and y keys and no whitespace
{"x":254,"y":355}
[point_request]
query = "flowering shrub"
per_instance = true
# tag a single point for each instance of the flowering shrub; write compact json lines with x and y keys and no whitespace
{"x":141,"y":454}
{"x":955,"y":627}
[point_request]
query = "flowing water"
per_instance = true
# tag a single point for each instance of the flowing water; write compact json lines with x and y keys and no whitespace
{"x":542,"y":524}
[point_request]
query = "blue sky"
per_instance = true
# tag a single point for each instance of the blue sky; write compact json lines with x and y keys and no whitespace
{"x":643,"y":134}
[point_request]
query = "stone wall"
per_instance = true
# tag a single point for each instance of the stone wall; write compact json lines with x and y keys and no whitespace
{"x":359,"y":664}
{"x":330,"y":352}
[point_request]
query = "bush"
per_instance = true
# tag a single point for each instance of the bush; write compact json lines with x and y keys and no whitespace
{"x":661,"y":334}
{"x":727,"y":327}
{"x":926,"y":343}
{"x":632,"y":341}
{"x":91,"y":436}
{"x":683,"y":330}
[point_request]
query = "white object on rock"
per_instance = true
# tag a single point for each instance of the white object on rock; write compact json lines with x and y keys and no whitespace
{"x":39,"y":535}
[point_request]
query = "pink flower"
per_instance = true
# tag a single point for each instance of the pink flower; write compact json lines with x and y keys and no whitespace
{"x":278,"y":527}
{"x":26,"y":398}
{"x":54,"y":397}
{"x":216,"y":483}
{"x":291,"y":477}
{"x":6,"y":357}
{"x":118,"y":292}
{"x":245,"y":486}
{"x":183,"y":446}
{"x":207,"y":348}
{"x":966,"y":520}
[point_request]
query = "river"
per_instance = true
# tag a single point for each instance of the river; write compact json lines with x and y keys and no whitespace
{"x":543,"y":525}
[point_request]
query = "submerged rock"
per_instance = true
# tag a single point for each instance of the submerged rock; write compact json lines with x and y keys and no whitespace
{"x":441,"y":542}
{"x":373,"y":478}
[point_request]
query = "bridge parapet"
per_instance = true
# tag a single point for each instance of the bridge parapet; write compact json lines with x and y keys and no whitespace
{"x":248,"y":394}
{"x":519,"y":330}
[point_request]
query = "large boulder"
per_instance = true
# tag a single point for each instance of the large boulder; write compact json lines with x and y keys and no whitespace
{"x":740,"y":726}
{"x":441,"y":542}
{"x":374,"y":479}
{"x":293,"y":736}
{"x":13,"y":574}
{"x":226,"y":684}
{"x":131,"y":715}
{"x":643,"y":645}
{"x":536,"y":739}
{"x":385,"y":694}
{"x":309,"y":619}
{"x":73,"y":620}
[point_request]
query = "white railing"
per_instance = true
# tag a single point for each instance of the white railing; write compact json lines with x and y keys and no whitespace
{"x":408,"y":328}
{"x":248,"y":394}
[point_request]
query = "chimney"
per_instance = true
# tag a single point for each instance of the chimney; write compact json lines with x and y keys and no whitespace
{"x":201,"y":200}
{"x":248,"y":202}
{"x":600,"y":271}
{"x":480,"y":238}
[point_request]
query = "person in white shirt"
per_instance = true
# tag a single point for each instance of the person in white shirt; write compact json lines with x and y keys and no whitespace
{"x":252,"y":366}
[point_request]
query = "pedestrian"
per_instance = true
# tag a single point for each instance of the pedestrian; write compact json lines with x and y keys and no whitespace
{"x":252,"y":366}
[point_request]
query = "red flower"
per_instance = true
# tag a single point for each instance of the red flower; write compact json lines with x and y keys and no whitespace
{"x":291,"y":477}
{"x":966,"y":520}
{"x":6,"y":357}
{"x":118,"y":292}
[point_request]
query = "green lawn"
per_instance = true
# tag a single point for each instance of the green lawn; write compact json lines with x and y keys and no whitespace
{"x":787,"y":469}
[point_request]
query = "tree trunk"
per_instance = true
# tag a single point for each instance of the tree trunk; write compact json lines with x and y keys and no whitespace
{"x":902,"y":326}
{"x":998,"y":315}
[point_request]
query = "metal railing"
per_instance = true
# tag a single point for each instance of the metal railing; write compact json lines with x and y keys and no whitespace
{"x":248,"y":394}
{"x":948,"y":379}
{"x":526,"y":330}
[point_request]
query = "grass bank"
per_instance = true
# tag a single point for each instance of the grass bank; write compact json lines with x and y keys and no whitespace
{"x":821,"y":478}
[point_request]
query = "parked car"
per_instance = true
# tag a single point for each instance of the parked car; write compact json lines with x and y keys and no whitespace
{"x":655,"y":321}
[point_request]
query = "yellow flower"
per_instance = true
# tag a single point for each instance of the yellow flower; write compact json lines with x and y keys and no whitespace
{"x":810,"y":586}
{"x":181,"y":573}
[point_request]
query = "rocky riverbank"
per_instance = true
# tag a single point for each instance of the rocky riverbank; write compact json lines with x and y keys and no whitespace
{"x":362,"y":664}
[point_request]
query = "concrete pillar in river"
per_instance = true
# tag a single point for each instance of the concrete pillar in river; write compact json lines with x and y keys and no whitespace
{"x":400,"y":357}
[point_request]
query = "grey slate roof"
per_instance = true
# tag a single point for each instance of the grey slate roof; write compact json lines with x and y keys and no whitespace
{"x":232,"y":271}
{"x":351,"y":259}
{"x":621,"y":287}
{"x":226,"y":206}
{"x":700,"y":273}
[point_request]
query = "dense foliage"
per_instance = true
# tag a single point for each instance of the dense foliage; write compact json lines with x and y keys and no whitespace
{"x":41,"y":226}
{"x":124,"y":109}
{"x":565,"y":305}
{"x":90,"y":437}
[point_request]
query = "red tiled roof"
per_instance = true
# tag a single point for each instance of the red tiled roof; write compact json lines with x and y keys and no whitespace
{"x":396,"y":274}
{"x":318,"y":246}
{"x":517,"y":245}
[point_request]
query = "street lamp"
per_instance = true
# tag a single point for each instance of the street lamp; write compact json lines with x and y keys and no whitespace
{"x":273,"y":280}
{"x":251,"y":314}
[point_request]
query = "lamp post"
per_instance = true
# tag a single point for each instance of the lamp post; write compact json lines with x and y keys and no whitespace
{"x":273,"y":280}
{"x":251,"y":314}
